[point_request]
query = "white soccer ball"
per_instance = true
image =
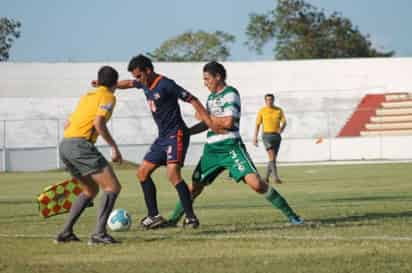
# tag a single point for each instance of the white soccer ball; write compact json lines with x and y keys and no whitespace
{"x":119,"y":220}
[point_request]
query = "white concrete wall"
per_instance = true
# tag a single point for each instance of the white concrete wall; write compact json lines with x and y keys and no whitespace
{"x":317,"y":96}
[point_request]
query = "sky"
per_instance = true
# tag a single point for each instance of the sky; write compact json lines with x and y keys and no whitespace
{"x":115,"y":30}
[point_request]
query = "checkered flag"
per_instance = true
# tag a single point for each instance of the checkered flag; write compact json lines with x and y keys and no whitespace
{"x":58,"y":198}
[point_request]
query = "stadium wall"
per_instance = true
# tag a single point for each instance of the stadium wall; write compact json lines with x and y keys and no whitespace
{"x":317,"y":96}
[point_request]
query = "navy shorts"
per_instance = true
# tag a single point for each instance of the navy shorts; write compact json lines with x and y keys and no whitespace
{"x":170,"y":149}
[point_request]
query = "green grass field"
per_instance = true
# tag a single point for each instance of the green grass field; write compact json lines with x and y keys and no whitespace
{"x":359,"y":219}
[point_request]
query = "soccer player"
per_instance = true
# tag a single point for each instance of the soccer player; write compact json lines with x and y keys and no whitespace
{"x":274,"y":123}
{"x":170,"y":147}
{"x":226,"y":150}
{"x":85,"y":162}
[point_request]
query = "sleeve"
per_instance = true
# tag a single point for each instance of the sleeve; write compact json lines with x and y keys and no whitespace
{"x":259,"y":118}
{"x":181,"y":93}
{"x":137,"y":84}
{"x":106,"y":106}
{"x":231,"y":107}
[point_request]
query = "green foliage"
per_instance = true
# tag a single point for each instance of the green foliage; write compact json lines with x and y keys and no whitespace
{"x":302,"y":31}
{"x":9,"y":30}
{"x":197,"y":46}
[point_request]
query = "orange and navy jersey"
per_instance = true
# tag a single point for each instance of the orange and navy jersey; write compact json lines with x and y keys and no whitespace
{"x":162,"y":97}
{"x":97,"y":102}
{"x":271,"y":117}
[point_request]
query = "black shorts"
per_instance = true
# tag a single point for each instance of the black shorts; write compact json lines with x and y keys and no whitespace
{"x":272,"y":141}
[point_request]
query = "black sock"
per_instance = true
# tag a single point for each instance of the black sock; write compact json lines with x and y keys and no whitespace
{"x":106,"y":207}
{"x":185,"y":198}
{"x":76,"y":210}
{"x":149,"y":192}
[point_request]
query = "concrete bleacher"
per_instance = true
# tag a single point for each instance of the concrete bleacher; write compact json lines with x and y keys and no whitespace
{"x":393,"y":117}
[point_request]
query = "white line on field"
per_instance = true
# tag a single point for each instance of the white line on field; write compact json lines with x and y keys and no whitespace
{"x":234,"y":236}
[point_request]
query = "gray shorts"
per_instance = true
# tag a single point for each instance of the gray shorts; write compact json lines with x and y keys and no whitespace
{"x":272,"y":141}
{"x":81,"y":157}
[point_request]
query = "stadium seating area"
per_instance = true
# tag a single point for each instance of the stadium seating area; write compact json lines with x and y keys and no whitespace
{"x":387,"y":114}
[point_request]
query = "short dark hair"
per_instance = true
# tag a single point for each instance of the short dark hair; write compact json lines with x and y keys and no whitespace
{"x":270,"y":95}
{"x":142,"y":62}
{"x":215,"y":68}
{"x":107,"y":76}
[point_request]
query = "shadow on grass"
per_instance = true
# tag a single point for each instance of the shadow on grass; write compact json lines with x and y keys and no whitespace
{"x":370,"y":198}
{"x":363,"y":218}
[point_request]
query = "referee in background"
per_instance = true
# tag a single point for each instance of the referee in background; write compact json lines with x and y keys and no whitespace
{"x":274,"y":123}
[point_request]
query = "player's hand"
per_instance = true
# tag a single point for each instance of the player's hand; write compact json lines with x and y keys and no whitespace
{"x":94,"y":83}
{"x":116,"y":155}
{"x":255,"y":141}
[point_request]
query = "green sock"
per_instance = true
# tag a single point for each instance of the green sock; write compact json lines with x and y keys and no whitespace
{"x":279,"y":202}
{"x":177,"y":213}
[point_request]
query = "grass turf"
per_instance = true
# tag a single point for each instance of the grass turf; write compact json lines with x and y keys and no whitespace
{"x":358,"y":220}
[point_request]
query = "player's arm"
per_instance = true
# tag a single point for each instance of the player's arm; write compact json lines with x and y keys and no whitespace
{"x":123,"y":84}
{"x":259,"y":120}
{"x":100,"y":126}
{"x":282,"y":122}
{"x":203,"y":115}
{"x":223,"y":123}
{"x":198,"y":128}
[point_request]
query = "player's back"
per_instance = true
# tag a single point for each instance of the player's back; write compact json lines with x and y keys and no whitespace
{"x":99,"y":101}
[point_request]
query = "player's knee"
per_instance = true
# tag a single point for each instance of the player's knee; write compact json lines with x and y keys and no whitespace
{"x":91,"y":191}
{"x":142,"y":174}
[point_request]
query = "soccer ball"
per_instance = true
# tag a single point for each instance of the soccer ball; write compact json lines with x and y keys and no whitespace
{"x":119,"y":220}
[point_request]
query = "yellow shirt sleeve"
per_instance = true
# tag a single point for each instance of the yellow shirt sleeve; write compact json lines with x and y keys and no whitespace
{"x":259,"y":118}
{"x":106,"y":106}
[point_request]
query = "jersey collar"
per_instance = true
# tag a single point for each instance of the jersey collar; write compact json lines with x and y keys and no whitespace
{"x":155,"y":82}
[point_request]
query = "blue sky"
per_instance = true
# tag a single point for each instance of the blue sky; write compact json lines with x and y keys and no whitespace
{"x":114,"y":30}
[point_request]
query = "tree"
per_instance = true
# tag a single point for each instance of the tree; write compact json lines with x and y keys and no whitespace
{"x":194,"y":46}
{"x":9,"y":30}
{"x":302,"y":31}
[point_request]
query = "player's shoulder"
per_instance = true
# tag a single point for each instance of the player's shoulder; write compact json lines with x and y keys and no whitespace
{"x":230,"y":90}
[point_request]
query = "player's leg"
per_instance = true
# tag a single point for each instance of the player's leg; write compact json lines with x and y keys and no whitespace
{"x":206,"y":171}
{"x":176,"y":152}
{"x":260,"y":186}
{"x":269,"y":167}
{"x":275,"y":150}
{"x":90,"y":190}
{"x":268,"y":143}
{"x":242,"y":168}
{"x":108,"y":182}
{"x":195,"y":190}
{"x":153,"y":218}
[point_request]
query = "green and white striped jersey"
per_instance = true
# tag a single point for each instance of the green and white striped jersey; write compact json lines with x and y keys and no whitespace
{"x":224,"y":103}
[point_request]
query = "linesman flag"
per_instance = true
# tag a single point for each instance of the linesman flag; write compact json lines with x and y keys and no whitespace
{"x":58,"y":198}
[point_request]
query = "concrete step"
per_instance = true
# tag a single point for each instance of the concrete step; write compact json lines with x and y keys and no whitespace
{"x":393,"y":111}
{"x":393,"y":118}
{"x":397,"y":96}
{"x":388,"y":125}
{"x":397,"y":104}
{"x":405,"y":132}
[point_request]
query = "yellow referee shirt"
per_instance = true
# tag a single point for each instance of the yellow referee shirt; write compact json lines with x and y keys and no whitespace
{"x":97,"y":102}
{"x":271,"y":117}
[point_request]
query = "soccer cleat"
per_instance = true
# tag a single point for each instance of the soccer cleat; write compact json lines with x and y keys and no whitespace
{"x":169,"y":224}
{"x":152,"y":222}
{"x":102,"y":238}
{"x":278,"y":181}
{"x":296,"y":220}
{"x":66,"y":237}
{"x":191,"y":223}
